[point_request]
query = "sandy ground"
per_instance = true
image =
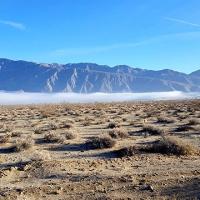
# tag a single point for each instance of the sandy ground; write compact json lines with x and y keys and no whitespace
{"x":70,"y":170}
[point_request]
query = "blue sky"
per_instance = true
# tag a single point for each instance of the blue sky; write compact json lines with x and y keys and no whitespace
{"x":152,"y":34}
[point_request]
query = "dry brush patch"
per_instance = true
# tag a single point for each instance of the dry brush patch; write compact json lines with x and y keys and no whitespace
{"x":5,"y":138}
{"x":100,"y":143}
{"x":69,"y":135}
{"x":172,"y":146}
{"x":118,"y":133}
{"x":22,"y":144}
{"x":53,"y":137}
{"x":112,"y":125}
{"x":153,"y":130}
{"x":166,"y":120}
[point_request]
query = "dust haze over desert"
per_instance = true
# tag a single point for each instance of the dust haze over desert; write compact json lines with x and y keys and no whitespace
{"x":99,"y":100}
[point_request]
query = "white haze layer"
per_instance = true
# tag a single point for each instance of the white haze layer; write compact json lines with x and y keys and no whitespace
{"x":16,"y":98}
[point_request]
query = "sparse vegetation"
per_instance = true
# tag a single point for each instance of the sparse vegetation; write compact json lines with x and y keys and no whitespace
{"x":100,"y":143}
{"x":194,"y":122}
{"x":52,"y":137}
{"x":171,"y":146}
{"x":153,"y":130}
{"x":69,"y":135}
{"x":22,"y":144}
{"x":5,"y":138}
{"x":118,"y":133}
{"x":119,"y":145}
{"x":126,"y":151}
{"x":165,"y":120}
{"x":112,"y":125}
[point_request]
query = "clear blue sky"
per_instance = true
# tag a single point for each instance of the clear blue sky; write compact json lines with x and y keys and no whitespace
{"x":152,"y":34}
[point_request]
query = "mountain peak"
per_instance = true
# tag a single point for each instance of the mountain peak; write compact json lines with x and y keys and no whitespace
{"x":91,"y":77}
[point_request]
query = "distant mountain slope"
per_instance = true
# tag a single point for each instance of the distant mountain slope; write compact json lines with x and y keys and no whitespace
{"x":89,"y":77}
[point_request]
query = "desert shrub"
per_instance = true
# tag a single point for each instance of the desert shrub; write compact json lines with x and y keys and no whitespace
{"x":66,"y":125}
{"x":171,"y":146}
{"x":5,"y":138}
{"x":52,"y":126}
{"x":118,"y":133}
{"x":100,"y":143}
{"x":41,"y":155}
{"x":38,"y":130}
{"x":194,"y":122}
{"x":112,"y":125}
{"x":16,"y":134}
{"x":52,"y":137}
{"x":86,"y":123}
{"x":69,"y":135}
{"x":165,"y":120}
{"x":22,"y":144}
{"x":7,"y":128}
{"x":153,"y":130}
{"x":126,"y":151}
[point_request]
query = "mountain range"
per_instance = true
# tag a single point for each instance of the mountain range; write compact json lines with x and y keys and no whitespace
{"x":89,"y":77}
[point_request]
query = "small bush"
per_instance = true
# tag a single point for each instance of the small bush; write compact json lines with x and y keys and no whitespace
{"x":16,"y":134}
{"x":23,"y":144}
{"x":193,"y":122}
{"x":5,"y":138}
{"x":100,"y":143}
{"x":53,"y":137}
{"x":38,"y":130}
{"x":86,"y":123}
{"x":118,"y":133}
{"x":69,"y":135}
{"x":66,"y":125}
{"x":165,"y":120}
{"x":153,"y":130}
{"x":126,"y":151}
{"x":112,"y":125}
{"x":171,"y":146}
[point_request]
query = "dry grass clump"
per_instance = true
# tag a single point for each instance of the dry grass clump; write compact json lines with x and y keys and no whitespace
{"x":47,"y":111}
{"x":153,"y":130}
{"x":171,"y":146}
{"x":66,"y":125}
{"x":5,"y":138}
{"x":6,"y":128}
{"x":100,"y":143}
{"x":113,"y":125}
{"x":118,"y":133}
{"x":87,"y":123}
{"x":16,"y":134}
{"x":52,"y":137}
{"x":22,"y":144}
{"x":165,"y":120}
{"x":69,"y":135}
{"x":194,"y":122}
{"x":52,"y":126}
{"x":126,"y":151}
{"x":38,"y":130}
{"x":41,"y":155}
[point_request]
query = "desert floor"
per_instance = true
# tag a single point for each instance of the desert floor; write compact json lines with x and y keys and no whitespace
{"x":45,"y":153}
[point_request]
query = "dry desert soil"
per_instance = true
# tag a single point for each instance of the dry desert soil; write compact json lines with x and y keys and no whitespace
{"x":130,"y":150}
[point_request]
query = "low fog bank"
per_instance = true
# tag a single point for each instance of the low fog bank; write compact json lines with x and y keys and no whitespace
{"x":13,"y":98}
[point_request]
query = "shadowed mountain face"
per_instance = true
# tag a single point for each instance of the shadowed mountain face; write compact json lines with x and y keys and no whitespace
{"x":88,"y":77}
